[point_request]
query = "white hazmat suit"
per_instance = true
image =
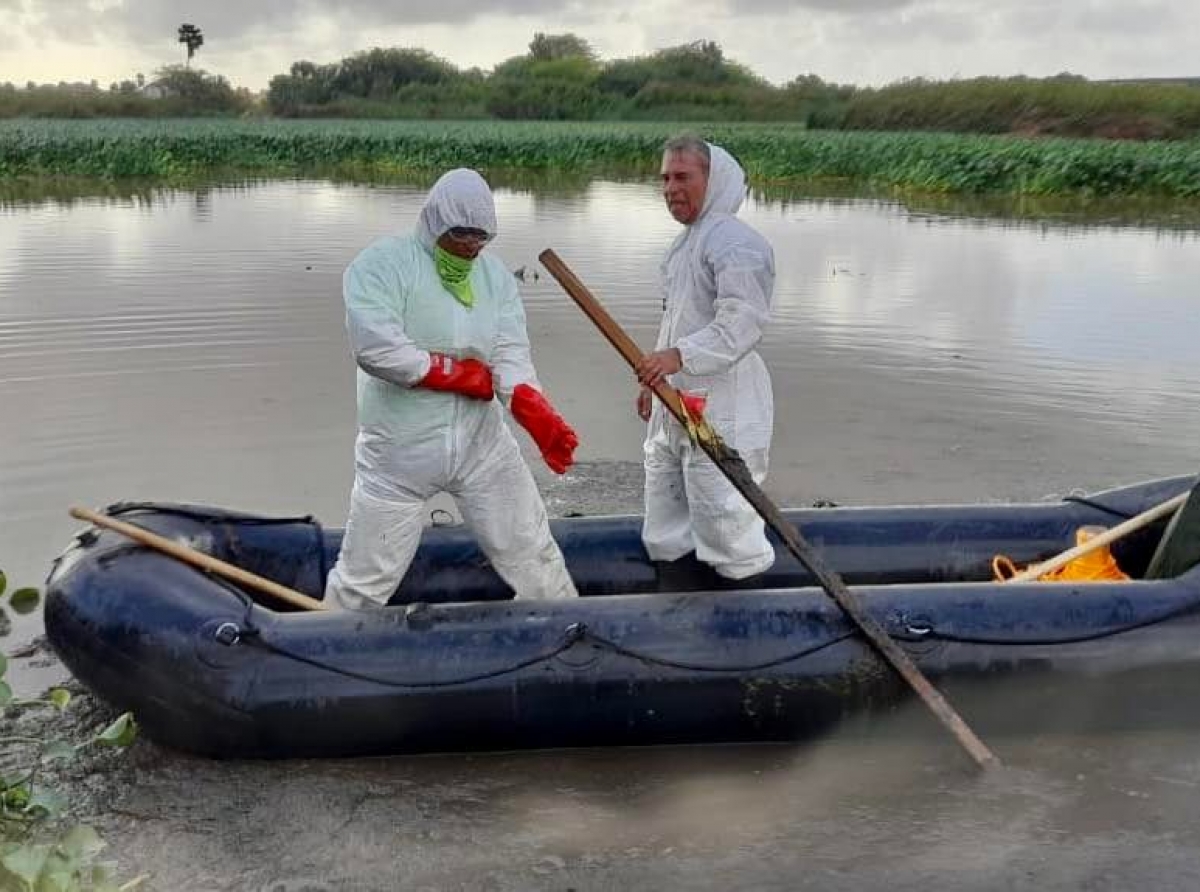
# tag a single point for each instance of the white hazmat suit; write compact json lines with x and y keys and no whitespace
{"x":414,"y":442}
{"x":717,"y":279}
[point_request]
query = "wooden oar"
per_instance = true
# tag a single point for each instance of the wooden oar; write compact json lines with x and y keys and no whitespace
{"x":1121,"y":529}
{"x":734,"y":468}
{"x":199,"y":559}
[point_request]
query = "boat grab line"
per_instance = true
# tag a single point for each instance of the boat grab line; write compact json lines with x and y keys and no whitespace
{"x":576,"y":633}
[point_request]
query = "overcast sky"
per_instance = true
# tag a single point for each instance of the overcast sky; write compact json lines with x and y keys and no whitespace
{"x":848,"y":41}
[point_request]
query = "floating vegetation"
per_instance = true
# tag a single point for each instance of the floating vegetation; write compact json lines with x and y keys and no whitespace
{"x":772,"y":153}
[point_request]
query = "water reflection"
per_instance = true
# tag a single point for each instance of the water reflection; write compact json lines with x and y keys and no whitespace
{"x":1043,"y":212}
{"x":1046,"y":213}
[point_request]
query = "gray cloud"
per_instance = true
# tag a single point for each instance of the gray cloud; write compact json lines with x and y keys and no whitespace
{"x":1034,"y":18}
{"x":143,"y":20}
{"x":845,"y":7}
{"x":1025,"y":18}
{"x":934,"y":25}
{"x":1130,"y":18}
{"x":856,"y":41}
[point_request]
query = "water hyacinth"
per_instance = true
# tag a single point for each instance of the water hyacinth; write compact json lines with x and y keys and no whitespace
{"x":176,"y":149}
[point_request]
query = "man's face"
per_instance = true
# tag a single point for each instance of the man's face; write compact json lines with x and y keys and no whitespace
{"x":685,"y":182}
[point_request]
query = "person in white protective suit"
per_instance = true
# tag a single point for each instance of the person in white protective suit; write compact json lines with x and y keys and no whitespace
{"x":438,"y":331}
{"x":717,"y":280}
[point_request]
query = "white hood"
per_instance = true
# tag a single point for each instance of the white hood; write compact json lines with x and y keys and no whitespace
{"x":726,"y":184}
{"x":460,"y":197}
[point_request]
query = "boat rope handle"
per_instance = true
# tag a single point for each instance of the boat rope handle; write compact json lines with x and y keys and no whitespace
{"x":576,"y":633}
{"x":1003,"y":568}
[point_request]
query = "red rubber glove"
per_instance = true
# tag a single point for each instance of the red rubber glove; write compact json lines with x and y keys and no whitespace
{"x":553,"y":436}
{"x":468,"y":377}
{"x":694,"y":403}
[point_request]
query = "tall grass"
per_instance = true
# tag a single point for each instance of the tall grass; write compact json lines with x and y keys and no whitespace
{"x":770,"y":152}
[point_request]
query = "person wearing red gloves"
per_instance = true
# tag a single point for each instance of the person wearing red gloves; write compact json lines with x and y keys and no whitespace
{"x":437,"y":329}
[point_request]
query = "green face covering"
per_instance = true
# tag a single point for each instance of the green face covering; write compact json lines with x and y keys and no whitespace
{"x":454,"y":273}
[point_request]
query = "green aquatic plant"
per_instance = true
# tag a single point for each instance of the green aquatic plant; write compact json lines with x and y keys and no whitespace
{"x":37,"y":852}
{"x":175,"y":150}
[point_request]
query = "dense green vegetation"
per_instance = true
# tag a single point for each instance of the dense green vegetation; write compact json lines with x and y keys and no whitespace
{"x":804,"y":131}
{"x":561,"y":78}
{"x":770,"y":152}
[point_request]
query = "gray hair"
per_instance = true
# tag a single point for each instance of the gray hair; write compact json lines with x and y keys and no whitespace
{"x":689,"y":145}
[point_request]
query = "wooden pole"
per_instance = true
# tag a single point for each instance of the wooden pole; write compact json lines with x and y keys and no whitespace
{"x":199,"y":559}
{"x":739,"y":475}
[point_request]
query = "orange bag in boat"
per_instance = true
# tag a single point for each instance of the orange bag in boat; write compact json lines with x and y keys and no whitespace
{"x":1095,"y":566}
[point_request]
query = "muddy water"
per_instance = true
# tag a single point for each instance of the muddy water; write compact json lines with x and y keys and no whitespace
{"x":189,"y":346}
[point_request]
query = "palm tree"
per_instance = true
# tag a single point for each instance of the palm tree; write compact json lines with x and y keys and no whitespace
{"x":191,"y":35}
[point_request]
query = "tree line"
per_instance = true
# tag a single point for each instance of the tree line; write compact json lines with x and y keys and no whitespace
{"x":561,"y":77}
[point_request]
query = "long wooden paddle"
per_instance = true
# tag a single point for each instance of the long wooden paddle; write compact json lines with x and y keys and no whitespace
{"x":734,"y":468}
{"x":199,"y":559}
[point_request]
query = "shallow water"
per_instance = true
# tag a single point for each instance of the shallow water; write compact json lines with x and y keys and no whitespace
{"x":188,"y":345}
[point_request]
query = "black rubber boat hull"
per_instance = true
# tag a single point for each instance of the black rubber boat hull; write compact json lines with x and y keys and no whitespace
{"x":650,"y":655}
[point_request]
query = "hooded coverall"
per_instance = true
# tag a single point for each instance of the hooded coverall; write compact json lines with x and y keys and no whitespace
{"x":717,"y":281}
{"x":414,"y":442}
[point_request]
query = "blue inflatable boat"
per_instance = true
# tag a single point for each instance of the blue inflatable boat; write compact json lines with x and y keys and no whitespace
{"x":651,"y":654}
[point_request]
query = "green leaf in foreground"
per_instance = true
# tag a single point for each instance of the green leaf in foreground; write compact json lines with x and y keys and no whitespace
{"x":16,"y":798}
{"x":82,"y":842}
{"x":121,"y":732}
{"x":23,"y":865}
{"x":60,"y":697}
{"x":25,"y":600}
